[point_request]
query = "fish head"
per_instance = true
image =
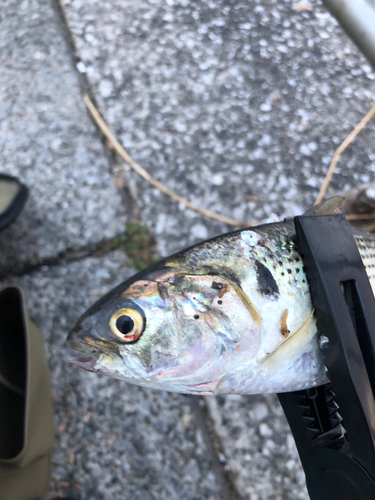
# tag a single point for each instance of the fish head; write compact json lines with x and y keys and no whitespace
{"x":170,"y":330}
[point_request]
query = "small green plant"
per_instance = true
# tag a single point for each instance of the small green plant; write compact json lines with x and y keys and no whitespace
{"x":137,"y":237}
{"x":136,"y":242}
{"x":117,"y":240}
{"x":138,"y":245}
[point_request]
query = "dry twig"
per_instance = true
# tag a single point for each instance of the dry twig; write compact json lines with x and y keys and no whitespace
{"x":360,"y":216}
{"x":338,"y":152}
{"x":143,"y":173}
{"x":208,"y":213}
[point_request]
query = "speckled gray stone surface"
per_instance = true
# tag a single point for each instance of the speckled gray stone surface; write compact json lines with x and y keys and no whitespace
{"x":49,"y":141}
{"x":113,"y":440}
{"x":238,"y":106}
{"x":260,"y":450}
{"x":226,"y":101}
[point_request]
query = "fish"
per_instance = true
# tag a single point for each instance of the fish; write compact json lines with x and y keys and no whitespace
{"x":230,"y":315}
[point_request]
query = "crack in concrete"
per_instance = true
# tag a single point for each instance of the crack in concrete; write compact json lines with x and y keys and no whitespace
{"x":126,"y":192}
{"x":69,"y":255}
{"x":214,"y":447}
{"x":199,"y":407}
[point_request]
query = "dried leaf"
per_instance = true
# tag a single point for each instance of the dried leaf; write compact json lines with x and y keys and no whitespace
{"x":302,"y":5}
{"x":86,"y":417}
{"x":111,"y":440}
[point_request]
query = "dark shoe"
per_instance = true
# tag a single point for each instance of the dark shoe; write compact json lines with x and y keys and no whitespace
{"x":13,"y":196}
{"x":26,"y":413}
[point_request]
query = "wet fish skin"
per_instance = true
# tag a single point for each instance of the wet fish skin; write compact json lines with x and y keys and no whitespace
{"x":230,"y":315}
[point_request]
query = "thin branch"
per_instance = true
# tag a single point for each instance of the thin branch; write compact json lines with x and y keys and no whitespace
{"x":208,"y":213}
{"x":143,"y":173}
{"x":338,"y":152}
{"x":360,"y":216}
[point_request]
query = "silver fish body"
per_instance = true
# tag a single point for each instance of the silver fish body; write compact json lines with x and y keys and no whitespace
{"x":229,"y":315}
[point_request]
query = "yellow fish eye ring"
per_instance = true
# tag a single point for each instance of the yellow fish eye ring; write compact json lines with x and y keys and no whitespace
{"x":127,"y":324}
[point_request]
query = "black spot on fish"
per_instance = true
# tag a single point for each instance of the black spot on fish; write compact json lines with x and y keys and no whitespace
{"x":266,"y":282}
{"x":217,"y":286}
{"x":297,"y":270}
{"x":219,"y":302}
{"x":196,"y":316}
{"x":289,"y":271}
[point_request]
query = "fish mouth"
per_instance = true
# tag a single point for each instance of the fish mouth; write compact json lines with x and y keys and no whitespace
{"x":91,"y":354}
{"x":87,"y":363}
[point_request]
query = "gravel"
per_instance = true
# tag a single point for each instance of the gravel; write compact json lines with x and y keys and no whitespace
{"x":237,"y":106}
{"x":49,"y":141}
{"x":259,"y":449}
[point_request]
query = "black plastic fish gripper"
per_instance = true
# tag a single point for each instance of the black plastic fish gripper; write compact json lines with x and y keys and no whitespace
{"x":334,"y":425}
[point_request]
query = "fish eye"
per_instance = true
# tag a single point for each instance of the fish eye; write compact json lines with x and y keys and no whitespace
{"x":127,"y":324}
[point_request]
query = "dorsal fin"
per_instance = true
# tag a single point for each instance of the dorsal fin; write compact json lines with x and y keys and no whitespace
{"x":327,"y":207}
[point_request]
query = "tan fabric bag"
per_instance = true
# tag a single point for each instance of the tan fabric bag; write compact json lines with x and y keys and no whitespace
{"x":26,"y":413}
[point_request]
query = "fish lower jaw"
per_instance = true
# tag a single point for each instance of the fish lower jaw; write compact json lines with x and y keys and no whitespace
{"x":87,"y":363}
